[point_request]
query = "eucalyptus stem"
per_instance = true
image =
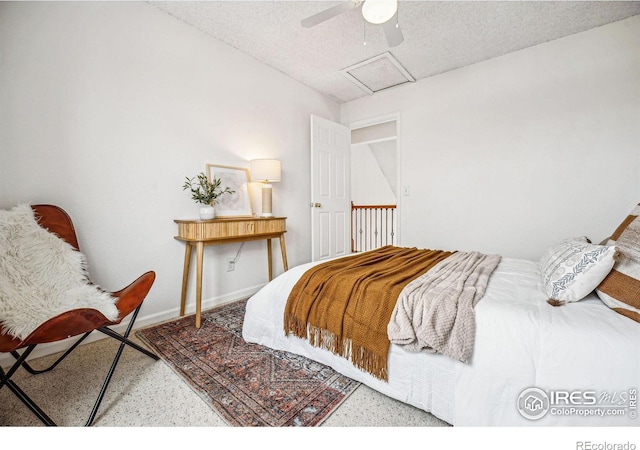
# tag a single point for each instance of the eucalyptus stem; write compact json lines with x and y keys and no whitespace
{"x":205,"y":191}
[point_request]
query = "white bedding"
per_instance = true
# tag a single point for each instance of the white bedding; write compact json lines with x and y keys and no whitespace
{"x":582,"y":349}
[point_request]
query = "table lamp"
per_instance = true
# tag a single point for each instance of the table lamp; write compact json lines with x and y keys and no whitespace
{"x":265,"y":171}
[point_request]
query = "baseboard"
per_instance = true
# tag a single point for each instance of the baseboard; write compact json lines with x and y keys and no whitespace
{"x":6,"y":360}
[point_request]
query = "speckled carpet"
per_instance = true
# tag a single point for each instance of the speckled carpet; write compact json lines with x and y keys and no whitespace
{"x":247,"y":384}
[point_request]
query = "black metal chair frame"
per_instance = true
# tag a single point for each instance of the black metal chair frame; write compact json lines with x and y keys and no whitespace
{"x":21,"y":360}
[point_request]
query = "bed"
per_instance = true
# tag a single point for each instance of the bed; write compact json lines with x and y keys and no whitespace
{"x":533,"y":364}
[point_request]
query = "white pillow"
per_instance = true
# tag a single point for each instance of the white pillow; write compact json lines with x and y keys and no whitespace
{"x":572,"y":269}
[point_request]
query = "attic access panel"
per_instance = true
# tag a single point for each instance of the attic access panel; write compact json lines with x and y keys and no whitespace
{"x":378,"y":73}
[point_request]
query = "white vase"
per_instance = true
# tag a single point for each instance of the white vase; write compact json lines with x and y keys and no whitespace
{"x":207,"y":212}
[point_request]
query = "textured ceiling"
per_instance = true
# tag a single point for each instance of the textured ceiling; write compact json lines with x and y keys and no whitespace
{"x":438,"y":35}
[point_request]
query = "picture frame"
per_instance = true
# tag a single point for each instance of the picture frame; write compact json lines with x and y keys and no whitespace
{"x":237,"y":204}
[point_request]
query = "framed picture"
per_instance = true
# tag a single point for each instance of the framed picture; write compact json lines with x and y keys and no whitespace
{"x":237,"y":204}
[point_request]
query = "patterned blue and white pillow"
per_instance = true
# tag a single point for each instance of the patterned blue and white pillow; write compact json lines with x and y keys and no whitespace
{"x":573,"y":269}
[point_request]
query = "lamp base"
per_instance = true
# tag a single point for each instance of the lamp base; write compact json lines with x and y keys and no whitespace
{"x":266,"y":200}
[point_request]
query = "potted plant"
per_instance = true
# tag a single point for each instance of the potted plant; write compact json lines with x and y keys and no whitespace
{"x":206,"y":193}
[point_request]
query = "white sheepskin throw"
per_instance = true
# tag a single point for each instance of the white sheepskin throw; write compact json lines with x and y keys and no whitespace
{"x":41,"y":276}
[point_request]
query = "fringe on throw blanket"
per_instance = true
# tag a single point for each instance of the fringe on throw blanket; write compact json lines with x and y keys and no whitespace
{"x":359,"y":355}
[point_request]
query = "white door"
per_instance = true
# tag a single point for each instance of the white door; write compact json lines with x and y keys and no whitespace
{"x":330,"y":185}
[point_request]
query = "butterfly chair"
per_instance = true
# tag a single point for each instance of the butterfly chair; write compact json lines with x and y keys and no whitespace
{"x":75,"y":322}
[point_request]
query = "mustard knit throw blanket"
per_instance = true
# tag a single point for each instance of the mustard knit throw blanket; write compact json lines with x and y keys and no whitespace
{"x":345,"y":305}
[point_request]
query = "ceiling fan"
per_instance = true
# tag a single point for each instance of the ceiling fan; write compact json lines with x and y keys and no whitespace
{"x":377,"y":12}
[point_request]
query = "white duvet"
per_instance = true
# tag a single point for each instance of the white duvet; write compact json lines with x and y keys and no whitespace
{"x":584,"y":357}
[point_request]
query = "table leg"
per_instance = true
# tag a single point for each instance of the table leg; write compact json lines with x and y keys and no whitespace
{"x":199,"y":257}
{"x":269,"y":259}
{"x":283,"y":249}
{"x":185,"y":277}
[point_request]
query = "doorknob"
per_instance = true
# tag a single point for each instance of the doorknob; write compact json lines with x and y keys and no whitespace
{"x":316,"y":205}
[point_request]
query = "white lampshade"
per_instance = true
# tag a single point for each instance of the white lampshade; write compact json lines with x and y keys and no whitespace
{"x":379,"y":11}
{"x":265,"y":170}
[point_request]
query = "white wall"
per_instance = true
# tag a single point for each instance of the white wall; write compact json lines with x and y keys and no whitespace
{"x":513,"y":154}
{"x":386,"y":154}
{"x":369,"y":185}
{"x":106,"y":107}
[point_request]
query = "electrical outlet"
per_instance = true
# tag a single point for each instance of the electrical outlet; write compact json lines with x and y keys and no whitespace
{"x":231,"y":265}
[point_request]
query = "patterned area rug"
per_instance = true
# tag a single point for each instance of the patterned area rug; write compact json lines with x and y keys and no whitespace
{"x":247,"y":384}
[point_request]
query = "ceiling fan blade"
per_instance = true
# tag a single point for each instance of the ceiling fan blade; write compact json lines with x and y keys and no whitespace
{"x":393,"y":32}
{"x":329,"y":13}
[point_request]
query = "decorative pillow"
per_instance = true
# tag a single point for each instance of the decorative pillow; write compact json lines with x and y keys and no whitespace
{"x":620,"y":290}
{"x":572,"y":269}
{"x":41,"y":276}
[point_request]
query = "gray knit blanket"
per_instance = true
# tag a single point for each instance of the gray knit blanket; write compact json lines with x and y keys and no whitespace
{"x":435,"y":312}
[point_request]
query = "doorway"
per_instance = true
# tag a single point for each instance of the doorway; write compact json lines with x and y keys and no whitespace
{"x":355,"y":182}
{"x":374,"y":180}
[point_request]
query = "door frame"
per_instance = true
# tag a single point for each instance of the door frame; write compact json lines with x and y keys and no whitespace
{"x":395,"y":116}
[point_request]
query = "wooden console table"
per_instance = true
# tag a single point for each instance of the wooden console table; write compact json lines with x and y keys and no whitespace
{"x":200,"y":233}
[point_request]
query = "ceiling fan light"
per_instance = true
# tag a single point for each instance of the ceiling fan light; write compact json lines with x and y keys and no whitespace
{"x":379,"y":11}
